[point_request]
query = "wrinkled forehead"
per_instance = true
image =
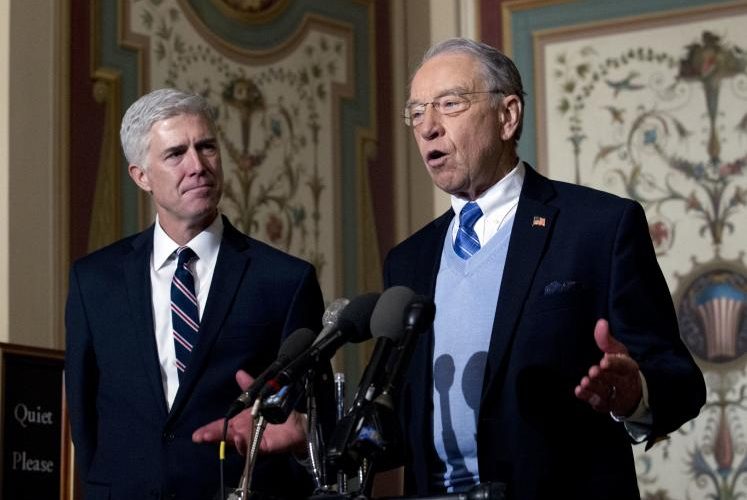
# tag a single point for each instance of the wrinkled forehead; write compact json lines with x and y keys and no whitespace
{"x":445,"y":73}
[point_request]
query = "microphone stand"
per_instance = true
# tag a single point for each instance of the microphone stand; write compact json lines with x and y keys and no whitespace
{"x":314,"y":433}
{"x":342,"y":482}
{"x":251,"y":456}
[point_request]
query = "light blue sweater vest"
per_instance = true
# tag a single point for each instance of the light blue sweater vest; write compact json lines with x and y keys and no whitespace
{"x":466,"y":297}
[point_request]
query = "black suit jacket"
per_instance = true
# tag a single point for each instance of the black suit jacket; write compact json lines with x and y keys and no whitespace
{"x":128,"y":444}
{"x":575,"y":255}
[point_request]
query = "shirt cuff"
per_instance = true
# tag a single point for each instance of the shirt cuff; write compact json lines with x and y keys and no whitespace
{"x":638,"y":424}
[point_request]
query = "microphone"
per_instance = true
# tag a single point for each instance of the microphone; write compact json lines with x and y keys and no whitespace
{"x":330,"y":317}
{"x":277,"y":407}
{"x":352,"y":326}
{"x":296,"y":343}
{"x":387,"y":322}
{"x":419,"y":316}
{"x":387,"y":326}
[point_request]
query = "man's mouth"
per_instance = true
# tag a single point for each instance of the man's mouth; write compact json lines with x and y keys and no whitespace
{"x":435,"y":158}
{"x":201,"y":187}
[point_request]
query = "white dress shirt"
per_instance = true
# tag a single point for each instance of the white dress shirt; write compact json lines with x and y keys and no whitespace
{"x":162,"y":267}
{"x":497,"y":204}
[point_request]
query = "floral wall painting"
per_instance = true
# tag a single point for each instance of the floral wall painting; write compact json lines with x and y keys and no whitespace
{"x":277,"y":121}
{"x":654,"y":108}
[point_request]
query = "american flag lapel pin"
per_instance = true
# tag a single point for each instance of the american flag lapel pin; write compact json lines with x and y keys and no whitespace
{"x":538,"y":221}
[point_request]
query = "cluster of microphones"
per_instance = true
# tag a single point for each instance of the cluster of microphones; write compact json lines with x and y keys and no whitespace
{"x":366,"y":437}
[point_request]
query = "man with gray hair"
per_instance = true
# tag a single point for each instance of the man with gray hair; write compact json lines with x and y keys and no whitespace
{"x":162,"y":325}
{"x":555,"y":344}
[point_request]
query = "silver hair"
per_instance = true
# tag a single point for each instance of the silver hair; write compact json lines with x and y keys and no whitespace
{"x":153,"y":107}
{"x":499,"y":71}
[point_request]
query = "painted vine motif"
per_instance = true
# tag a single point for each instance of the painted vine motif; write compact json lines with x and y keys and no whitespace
{"x":707,"y":187}
{"x":271,"y":126}
{"x":686,"y":170}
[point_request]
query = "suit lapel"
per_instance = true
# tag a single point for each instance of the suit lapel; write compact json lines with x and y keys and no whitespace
{"x":137,"y":280}
{"x":532,"y":226}
{"x":233,"y":259}
{"x":423,"y":280}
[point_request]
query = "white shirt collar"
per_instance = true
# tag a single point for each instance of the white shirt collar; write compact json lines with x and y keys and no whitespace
{"x":499,"y":199}
{"x":205,"y":244}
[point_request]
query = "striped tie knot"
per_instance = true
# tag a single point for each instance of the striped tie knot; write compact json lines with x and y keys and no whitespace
{"x":466,"y":242}
{"x":185,"y":257}
{"x":185,"y":310}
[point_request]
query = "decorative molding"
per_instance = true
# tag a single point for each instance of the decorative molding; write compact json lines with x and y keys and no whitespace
{"x":510,"y":7}
{"x":106,"y":220}
{"x":257,"y":12}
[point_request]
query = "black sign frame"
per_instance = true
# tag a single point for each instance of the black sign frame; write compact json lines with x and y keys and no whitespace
{"x":33,"y":420}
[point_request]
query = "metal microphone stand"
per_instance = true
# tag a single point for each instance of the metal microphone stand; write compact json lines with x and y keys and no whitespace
{"x":313,"y":441}
{"x":258,"y":428}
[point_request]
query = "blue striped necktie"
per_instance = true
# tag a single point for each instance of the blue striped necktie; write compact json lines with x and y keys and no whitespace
{"x":185,"y":313}
{"x":466,"y":242}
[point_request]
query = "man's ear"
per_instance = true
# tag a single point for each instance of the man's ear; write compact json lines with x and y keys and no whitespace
{"x":140,"y":176}
{"x":511,"y":112}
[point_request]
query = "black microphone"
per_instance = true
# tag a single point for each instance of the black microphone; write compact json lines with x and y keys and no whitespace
{"x":352,"y":326}
{"x":419,"y":317}
{"x":296,"y":343}
{"x":387,"y":326}
{"x":277,"y":407}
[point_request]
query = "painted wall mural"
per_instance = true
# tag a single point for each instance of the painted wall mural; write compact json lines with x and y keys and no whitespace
{"x":277,"y":123}
{"x":655,"y":109}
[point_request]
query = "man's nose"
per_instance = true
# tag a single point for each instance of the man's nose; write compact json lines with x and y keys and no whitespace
{"x":195,"y":161}
{"x":431,"y":127}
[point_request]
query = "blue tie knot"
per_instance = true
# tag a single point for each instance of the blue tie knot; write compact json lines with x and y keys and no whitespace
{"x":469,"y":215}
{"x":466,"y":242}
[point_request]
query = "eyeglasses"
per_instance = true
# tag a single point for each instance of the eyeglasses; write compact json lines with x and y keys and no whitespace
{"x":449,"y":105}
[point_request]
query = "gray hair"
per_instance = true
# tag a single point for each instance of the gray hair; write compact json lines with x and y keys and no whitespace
{"x":153,"y":107}
{"x":499,"y":71}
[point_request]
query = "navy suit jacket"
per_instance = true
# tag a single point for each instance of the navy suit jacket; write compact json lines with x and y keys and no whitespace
{"x":128,"y":444}
{"x":575,"y":255}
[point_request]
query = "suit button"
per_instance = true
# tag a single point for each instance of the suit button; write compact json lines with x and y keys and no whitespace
{"x":168,"y":436}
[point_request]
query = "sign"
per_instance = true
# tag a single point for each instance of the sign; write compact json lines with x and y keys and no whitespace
{"x":34,"y":427}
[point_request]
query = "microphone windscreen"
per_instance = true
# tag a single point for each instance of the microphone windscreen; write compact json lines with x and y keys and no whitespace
{"x":296,"y":343}
{"x":333,"y":311}
{"x":388,"y":316}
{"x":356,"y":317}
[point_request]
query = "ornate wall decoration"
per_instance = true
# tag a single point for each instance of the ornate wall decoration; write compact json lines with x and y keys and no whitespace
{"x":655,"y":109}
{"x":252,"y":11}
{"x":277,"y":119}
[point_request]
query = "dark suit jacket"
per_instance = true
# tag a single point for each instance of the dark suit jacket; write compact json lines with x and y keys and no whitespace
{"x":128,"y":445}
{"x":591,"y":258}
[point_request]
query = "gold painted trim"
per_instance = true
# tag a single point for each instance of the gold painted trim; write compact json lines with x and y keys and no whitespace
{"x":106,"y":89}
{"x":252,"y":18}
{"x":140,"y":44}
{"x":106,"y":217}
